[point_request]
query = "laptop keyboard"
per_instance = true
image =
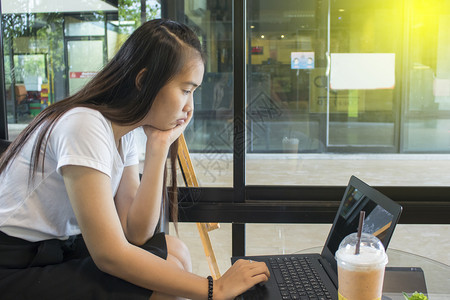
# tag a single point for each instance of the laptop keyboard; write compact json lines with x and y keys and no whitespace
{"x":297,"y":279}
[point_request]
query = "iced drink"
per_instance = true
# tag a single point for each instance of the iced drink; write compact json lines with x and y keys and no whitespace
{"x":361,"y":275}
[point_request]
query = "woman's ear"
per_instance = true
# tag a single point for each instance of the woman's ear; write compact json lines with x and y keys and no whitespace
{"x":139,"y":78}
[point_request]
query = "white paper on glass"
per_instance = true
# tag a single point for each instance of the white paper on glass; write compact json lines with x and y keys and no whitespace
{"x":362,"y":71}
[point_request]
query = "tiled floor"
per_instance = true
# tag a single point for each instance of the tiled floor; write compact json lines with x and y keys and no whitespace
{"x":431,"y":241}
{"x":216,"y":169}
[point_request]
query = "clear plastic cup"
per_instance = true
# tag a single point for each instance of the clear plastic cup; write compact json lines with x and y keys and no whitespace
{"x":361,"y":276}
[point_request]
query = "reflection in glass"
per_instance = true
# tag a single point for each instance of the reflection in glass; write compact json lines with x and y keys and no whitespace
{"x":210,"y":135}
{"x":336,"y":88}
{"x":34,"y":64}
{"x":287,"y":53}
{"x":427,"y":104}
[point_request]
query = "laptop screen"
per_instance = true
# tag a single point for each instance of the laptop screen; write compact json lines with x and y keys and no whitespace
{"x":381,"y":216}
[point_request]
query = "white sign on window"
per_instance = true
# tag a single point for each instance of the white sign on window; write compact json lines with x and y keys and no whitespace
{"x":362,"y":71}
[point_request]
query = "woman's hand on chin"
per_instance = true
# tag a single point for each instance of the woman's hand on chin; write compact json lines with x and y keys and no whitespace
{"x":165,"y":137}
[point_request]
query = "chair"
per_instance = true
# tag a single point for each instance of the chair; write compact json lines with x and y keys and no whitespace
{"x":21,"y":93}
{"x":190,"y":180}
{"x":22,"y":101}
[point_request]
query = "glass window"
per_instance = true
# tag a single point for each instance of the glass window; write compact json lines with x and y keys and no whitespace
{"x":334,"y":88}
{"x":347,"y":88}
{"x":209,"y":136}
{"x":52,"y":49}
{"x":427,"y":103}
{"x":34,"y":65}
{"x":56,"y":51}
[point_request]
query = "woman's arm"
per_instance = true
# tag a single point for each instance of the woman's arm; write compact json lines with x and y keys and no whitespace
{"x":139,"y":203}
{"x":90,"y":195}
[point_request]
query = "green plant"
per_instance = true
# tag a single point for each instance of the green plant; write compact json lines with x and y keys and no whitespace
{"x":415,"y":296}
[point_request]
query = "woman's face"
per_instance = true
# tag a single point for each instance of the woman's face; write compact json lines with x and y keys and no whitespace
{"x":174,"y":104}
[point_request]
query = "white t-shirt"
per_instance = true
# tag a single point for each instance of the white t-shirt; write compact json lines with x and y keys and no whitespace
{"x":42,"y":210}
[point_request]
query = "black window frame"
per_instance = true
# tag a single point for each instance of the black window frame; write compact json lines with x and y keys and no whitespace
{"x":287,"y":204}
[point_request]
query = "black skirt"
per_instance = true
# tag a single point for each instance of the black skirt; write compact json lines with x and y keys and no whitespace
{"x":55,"y":269}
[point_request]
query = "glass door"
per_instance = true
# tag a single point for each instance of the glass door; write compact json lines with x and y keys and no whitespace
{"x":323,"y":76}
{"x":85,"y":45}
{"x":85,"y":58}
{"x":365,"y":46}
{"x":286,"y":76}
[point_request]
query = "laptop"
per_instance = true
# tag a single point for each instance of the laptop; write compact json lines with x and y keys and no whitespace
{"x":318,"y":272}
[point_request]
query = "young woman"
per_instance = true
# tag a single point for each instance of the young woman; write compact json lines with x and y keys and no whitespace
{"x":75,"y":221}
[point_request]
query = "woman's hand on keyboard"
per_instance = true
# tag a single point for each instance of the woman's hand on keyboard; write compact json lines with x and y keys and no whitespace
{"x":241,"y":276}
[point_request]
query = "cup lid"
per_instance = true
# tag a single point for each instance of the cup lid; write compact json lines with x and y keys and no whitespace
{"x":371,"y":250}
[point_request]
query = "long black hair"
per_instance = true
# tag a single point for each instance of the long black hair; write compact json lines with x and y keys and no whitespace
{"x":160,"y":46}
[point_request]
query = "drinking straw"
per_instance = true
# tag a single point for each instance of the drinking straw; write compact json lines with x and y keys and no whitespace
{"x":362,"y":214}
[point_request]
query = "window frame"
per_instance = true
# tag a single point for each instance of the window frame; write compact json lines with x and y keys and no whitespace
{"x":287,"y":204}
